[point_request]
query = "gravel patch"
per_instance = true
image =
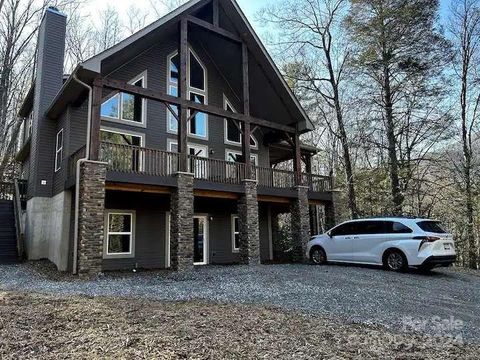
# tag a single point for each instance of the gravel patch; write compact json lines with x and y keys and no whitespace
{"x":445,"y":302}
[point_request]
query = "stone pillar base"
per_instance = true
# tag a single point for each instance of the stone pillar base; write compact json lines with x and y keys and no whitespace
{"x":249,"y":225}
{"x":332,"y":211}
{"x":300,"y":224}
{"x":181,"y":225}
{"x":91,"y":218}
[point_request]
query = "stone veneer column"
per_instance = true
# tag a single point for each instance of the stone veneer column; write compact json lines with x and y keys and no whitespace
{"x":91,"y":218}
{"x":181,"y":225}
{"x":300,"y":224}
{"x":332,"y":211}
{"x":249,"y":225}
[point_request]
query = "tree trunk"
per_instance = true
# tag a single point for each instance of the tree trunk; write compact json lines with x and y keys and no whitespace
{"x":467,"y":167}
{"x":397,"y":196}
{"x":352,"y":199}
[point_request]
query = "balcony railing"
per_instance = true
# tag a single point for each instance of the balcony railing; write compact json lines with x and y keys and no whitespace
{"x":139,"y":160}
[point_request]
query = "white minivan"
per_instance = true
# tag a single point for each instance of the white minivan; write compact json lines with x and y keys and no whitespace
{"x":395,"y":243}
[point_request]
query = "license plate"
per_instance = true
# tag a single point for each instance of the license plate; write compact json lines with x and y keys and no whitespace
{"x":447,"y":247}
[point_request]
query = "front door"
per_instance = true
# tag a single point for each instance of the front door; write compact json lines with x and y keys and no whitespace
{"x":200,"y":238}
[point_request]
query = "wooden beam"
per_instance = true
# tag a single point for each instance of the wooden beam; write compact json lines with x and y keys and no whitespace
{"x":216,"y":194}
{"x":137,"y":188}
{"x":207,"y":109}
{"x":246,"y":111}
{"x":182,"y":83}
{"x":216,"y":13}
{"x":95,"y":123}
{"x":273,"y":199}
{"x":297,"y":161}
{"x":215,"y":29}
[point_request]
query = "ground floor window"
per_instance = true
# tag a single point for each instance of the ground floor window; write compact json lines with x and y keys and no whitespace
{"x":120,"y":230}
{"x":235,"y":233}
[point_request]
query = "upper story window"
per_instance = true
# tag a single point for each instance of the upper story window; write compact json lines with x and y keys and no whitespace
{"x":233,"y":135}
{"x":59,"y":150}
{"x":126,"y":107}
{"x":197,"y":92}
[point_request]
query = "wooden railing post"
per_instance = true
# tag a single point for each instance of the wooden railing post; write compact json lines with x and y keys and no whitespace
{"x":246,"y":111}
{"x":182,"y":84}
{"x":297,"y":161}
{"x":95,"y":120}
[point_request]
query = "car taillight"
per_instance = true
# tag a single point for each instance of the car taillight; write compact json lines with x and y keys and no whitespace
{"x":425,"y":239}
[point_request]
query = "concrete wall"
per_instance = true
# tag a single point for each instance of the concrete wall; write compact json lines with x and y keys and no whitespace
{"x":47,"y":229}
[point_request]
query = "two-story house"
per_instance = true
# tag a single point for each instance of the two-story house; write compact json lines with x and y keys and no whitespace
{"x":160,"y":152}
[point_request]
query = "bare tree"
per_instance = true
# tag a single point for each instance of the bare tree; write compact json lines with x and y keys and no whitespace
{"x":309,"y":32}
{"x":136,"y":19}
{"x":465,"y":28}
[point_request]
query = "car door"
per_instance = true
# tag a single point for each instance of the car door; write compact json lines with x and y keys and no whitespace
{"x":369,"y":237}
{"x":339,"y":245}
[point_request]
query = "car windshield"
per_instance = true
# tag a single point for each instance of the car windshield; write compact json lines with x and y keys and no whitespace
{"x":431,"y":226}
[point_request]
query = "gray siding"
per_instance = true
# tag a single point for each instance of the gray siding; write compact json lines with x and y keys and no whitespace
{"x":150,"y":229}
{"x":49,"y":77}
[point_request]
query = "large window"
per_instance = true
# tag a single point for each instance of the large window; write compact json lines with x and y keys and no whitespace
{"x":120,"y":230}
{"x":233,"y":134}
{"x":125,"y":156}
{"x":197,"y":92}
{"x":235,"y":234}
{"x":126,"y":107}
{"x":59,"y":150}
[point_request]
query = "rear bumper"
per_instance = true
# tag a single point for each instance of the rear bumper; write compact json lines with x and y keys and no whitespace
{"x":444,"y":260}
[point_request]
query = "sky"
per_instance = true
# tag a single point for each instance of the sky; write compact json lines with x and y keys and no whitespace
{"x":249,"y":7}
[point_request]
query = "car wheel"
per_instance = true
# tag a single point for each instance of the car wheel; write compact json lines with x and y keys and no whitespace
{"x":318,"y":256}
{"x":395,"y":260}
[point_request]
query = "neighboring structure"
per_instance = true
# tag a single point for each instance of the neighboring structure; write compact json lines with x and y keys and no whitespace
{"x":160,"y":151}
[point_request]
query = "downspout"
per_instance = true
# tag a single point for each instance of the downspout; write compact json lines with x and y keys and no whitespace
{"x":77,"y":177}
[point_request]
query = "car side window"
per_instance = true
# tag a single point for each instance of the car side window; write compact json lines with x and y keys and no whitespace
{"x":370,"y":227}
{"x":342,"y":230}
{"x":394,"y":227}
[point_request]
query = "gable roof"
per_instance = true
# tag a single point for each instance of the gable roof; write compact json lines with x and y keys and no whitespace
{"x":255,"y":46}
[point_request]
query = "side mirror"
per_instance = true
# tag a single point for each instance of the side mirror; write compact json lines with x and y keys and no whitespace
{"x":329,"y":233}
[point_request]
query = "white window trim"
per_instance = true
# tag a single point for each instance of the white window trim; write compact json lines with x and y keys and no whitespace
{"x":131,"y":133}
{"x":119,"y":118}
{"x":131,"y":253}
{"x":233,"y":232}
{"x":125,"y":132}
{"x":236,"y":152}
{"x":167,"y":241}
{"x":206,"y":245}
{"x":58,"y":164}
{"x":190,"y":90}
{"x":230,"y":142}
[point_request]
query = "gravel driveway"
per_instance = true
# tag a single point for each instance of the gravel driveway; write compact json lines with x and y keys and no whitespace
{"x":445,"y":302}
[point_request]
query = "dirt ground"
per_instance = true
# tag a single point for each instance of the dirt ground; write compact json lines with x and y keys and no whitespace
{"x":40,"y":326}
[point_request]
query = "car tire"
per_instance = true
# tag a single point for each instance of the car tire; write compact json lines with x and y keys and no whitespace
{"x":318,"y":256}
{"x":395,"y":260}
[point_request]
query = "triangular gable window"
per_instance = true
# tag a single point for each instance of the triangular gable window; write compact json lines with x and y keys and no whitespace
{"x":124,"y":106}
